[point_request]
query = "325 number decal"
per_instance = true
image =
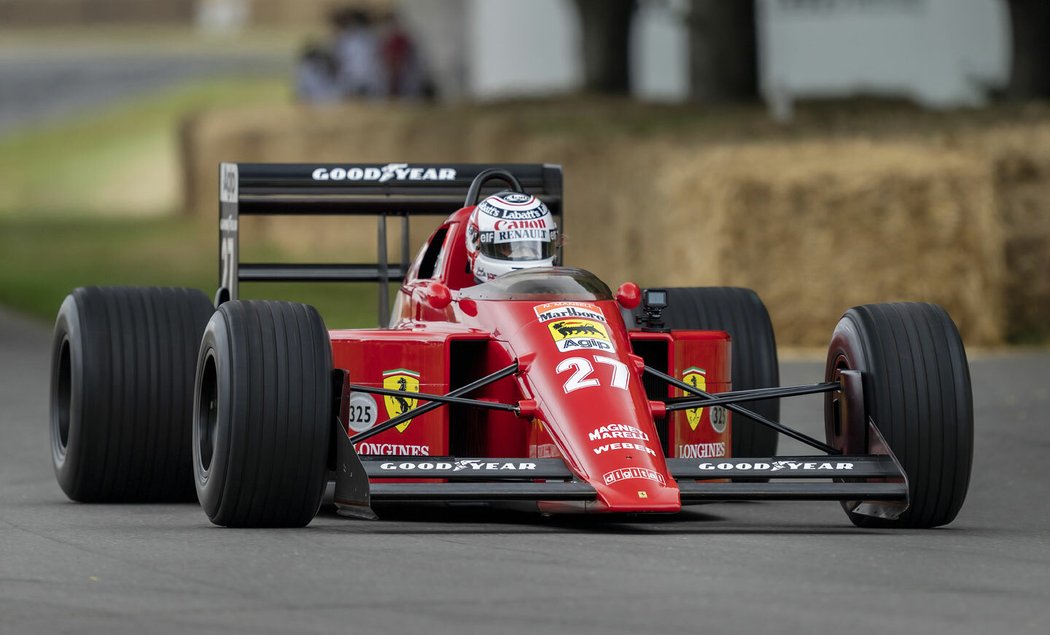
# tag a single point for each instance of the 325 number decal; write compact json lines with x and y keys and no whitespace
{"x":361,"y":413}
{"x":583,"y":369}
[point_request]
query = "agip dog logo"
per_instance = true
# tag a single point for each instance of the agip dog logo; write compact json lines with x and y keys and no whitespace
{"x":580,"y":334}
{"x":697,"y":378}
{"x":403,"y":380}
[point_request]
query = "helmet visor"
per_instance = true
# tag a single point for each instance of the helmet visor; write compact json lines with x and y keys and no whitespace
{"x":533,"y":244}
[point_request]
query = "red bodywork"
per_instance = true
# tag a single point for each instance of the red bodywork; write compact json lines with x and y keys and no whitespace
{"x":578,"y":362}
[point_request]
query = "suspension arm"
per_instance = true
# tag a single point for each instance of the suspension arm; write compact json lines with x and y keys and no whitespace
{"x":688,"y":403}
{"x":425,"y":408}
{"x":769,"y":423}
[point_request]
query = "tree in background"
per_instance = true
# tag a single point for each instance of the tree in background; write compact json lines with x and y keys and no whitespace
{"x":606,"y":29}
{"x":723,"y":54}
{"x":1030,"y":68}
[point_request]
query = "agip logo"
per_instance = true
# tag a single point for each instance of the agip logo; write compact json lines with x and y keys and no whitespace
{"x":697,"y":378}
{"x":579,"y":334}
{"x":402,"y":380}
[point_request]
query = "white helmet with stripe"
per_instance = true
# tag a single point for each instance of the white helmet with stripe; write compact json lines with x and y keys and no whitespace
{"x":509,"y":231}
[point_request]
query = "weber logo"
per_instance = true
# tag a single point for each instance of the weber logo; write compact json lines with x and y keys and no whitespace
{"x":389,"y":172}
{"x":608,"y":447}
{"x":458,"y":466}
{"x":566,"y":310}
{"x":776,"y":466}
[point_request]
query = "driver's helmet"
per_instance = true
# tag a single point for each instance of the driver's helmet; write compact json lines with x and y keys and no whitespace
{"x":508,"y":231}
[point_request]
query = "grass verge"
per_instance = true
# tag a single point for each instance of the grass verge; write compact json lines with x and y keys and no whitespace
{"x":41,"y":260}
{"x":121,"y":159}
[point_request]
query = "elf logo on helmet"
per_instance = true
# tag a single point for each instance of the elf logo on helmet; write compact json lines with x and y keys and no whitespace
{"x":382,"y":174}
{"x":508,"y":231}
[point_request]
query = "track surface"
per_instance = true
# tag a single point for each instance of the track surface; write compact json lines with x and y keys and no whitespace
{"x":748,"y":568}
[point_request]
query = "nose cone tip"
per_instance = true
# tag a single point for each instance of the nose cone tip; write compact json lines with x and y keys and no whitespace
{"x":635,"y":494}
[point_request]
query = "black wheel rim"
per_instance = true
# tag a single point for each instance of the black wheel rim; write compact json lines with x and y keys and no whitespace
{"x":841,"y":364}
{"x":206,"y":417}
{"x":62,"y":404}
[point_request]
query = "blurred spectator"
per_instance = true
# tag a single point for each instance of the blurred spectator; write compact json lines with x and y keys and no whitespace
{"x":402,"y":67}
{"x":363,"y":60}
{"x":356,"y":53}
{"x":315,"y":75}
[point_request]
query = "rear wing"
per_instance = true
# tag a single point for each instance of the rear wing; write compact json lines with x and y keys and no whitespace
{"x":357,"y":189}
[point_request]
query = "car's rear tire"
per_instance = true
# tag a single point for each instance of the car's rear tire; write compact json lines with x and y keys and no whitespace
{"x":262,"y":414}
{"x":917,"y":391}
{"x":122,"y":367}
{"x":740,"y":313}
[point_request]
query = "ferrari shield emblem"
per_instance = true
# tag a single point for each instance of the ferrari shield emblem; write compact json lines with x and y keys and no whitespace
{"x":403,"y":380}
{"x":697,"y":378}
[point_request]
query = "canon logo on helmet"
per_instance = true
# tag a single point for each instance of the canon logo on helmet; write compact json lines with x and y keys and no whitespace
{"x":540,"y":223}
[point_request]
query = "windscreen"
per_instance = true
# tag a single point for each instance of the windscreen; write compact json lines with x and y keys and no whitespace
{"x":542,"y":283}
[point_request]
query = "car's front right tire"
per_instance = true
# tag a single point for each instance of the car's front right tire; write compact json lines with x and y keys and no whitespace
{"x":121,"y":388}
{"x":262,"y":414}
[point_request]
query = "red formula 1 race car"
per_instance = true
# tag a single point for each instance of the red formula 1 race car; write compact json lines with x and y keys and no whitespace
{"x":539,"y":386}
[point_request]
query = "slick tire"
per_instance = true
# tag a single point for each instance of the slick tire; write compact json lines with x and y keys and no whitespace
{"x":740,"y":313}
{"x":917,"y":391}
{"x":122,"y":364}
{"x":262,"y":414}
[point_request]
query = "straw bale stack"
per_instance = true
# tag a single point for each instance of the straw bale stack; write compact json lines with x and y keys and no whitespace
{"x":1020,"y":161}
{"x":815,"y":224}
{"x":818,"y":227}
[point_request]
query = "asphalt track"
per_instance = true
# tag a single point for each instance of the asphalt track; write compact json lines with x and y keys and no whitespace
{"x":723,"y":568}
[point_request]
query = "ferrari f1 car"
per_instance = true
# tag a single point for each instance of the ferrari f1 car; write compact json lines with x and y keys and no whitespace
{"x":541,"y":387}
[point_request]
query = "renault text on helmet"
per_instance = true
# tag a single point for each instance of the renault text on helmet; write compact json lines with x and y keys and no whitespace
{"x":508,"y":231}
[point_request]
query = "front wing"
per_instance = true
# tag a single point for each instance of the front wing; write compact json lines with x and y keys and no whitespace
{"x":871,"y":484}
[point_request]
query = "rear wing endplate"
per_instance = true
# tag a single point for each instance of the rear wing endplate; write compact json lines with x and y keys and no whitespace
{"x":357,"y":189}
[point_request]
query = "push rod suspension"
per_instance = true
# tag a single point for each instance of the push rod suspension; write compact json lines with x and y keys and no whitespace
{"x":440,"y":398}
{"x":736,"y":396}
{"x":769,"y":423}
{"x":425,"y":408}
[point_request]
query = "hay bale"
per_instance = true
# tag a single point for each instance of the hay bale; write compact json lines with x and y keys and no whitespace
{"x":818,"y":227}
{"x":1019,"y":156}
